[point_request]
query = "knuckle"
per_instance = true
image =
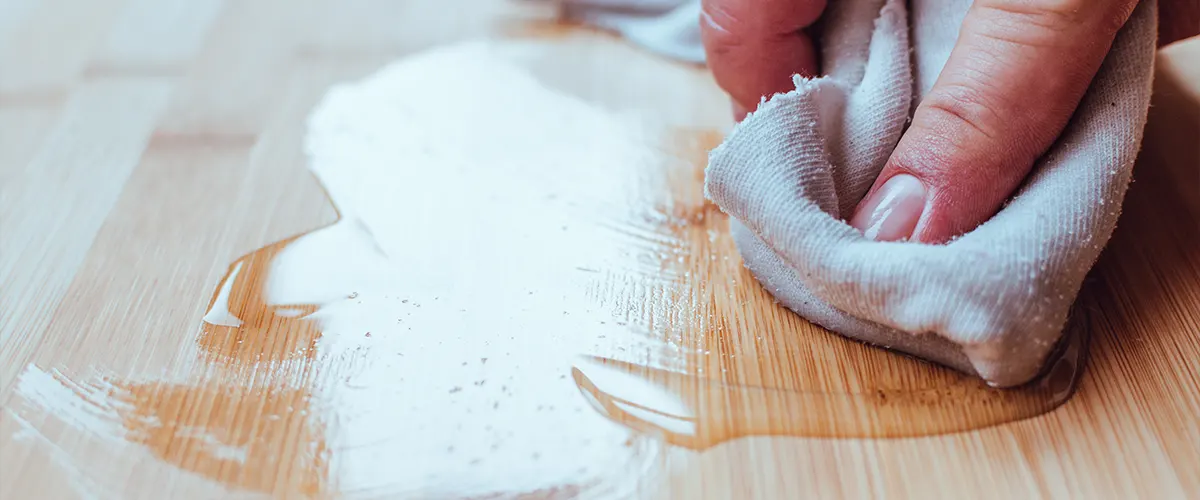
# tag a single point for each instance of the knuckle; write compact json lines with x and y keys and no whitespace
{"x":1034,"y":17}
{"x":965,"y":105}
{"x":1041,"y":13}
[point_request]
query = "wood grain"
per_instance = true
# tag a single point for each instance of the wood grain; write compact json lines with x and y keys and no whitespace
{"x":149,"y":145}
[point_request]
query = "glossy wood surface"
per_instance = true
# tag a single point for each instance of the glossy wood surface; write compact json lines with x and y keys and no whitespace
{"x":503,"y":280}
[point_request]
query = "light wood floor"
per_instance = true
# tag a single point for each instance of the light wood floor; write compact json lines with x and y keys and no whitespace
{"x":153,"y":169}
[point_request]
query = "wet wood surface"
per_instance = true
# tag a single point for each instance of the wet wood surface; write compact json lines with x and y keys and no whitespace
{"x":509,"y":285}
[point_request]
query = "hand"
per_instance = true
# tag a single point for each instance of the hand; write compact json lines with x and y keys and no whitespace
{"x":1013,"y":80}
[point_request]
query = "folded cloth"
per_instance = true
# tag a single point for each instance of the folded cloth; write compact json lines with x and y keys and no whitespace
{"x":993,"y":302}
{"x":667,"y":27}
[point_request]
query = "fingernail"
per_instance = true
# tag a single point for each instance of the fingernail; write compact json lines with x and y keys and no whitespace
{"x":892,"y":213}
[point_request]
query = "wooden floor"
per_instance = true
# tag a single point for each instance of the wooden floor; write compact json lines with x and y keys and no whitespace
{"x":506,"y":284}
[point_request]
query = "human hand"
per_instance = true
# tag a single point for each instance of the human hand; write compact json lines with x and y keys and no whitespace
{"x":1016,"y":74}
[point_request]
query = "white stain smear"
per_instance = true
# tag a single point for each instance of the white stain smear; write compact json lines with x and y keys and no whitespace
{"x":480,"y":212}
{"x":104,"y":462}
{"x":83,"y":406}
{"x":477,"y":210}
{"x":103,"y":411}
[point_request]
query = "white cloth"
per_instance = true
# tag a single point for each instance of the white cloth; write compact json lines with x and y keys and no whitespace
{"x":666,"y":27}
{"x":993,"y":302}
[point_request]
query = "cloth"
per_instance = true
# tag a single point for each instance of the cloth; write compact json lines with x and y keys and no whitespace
{"x":666,"y":27}
{"x":993,"y":302}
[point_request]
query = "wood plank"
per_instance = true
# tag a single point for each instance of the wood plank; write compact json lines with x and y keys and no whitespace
{"x":156,"y":37}
{"x":233,"y":84}
{"x":129,"y":202}
{"x":51,"y":209}
{"x":193,"y":204}
{"x":52,"y":45}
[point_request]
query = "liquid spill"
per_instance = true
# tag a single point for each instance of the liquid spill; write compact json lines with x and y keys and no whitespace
{"x":491,"y":232}
{"x":242,"y":438}
{"x":764,"y":372}
{"x":239,"y":444}
{"x":240,"y":324}
{"x":698,"y":412}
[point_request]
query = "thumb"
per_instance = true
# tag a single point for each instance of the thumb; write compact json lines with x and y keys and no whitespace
{"x":1013,"y":80}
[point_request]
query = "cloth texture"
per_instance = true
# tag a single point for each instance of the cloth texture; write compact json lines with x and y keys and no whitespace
{"x":993,"y":302}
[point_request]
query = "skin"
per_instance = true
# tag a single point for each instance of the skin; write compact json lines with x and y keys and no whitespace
{"x":1016,"y":74}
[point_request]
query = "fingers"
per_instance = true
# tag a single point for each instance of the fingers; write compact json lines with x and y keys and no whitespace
{"x":755,"y":46}
{"x":1015,"y":76}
